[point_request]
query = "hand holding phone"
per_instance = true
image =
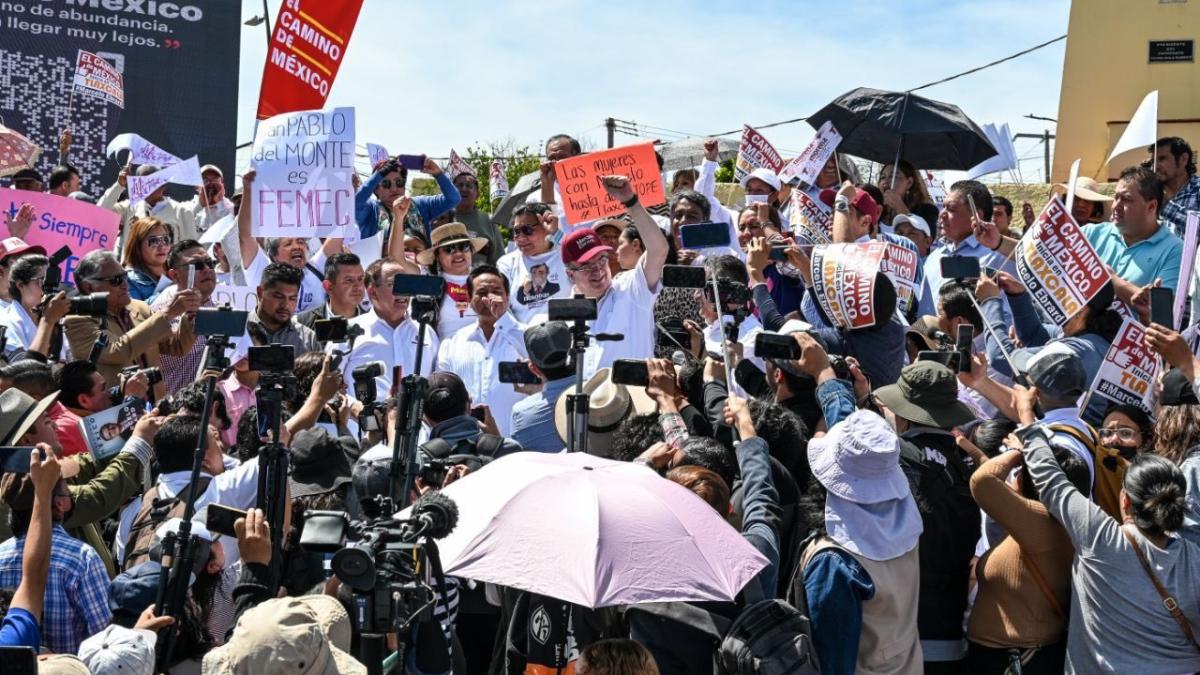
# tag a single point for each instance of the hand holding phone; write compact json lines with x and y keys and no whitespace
{"x":1162,"y":307}
{"x":221,"y":518}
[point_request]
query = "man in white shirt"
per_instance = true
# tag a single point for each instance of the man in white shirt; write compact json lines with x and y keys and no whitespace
{"x":536,"y":268}
{"x":474,"y":352}
{"x":625,"y":305}
{"x":389,"y":333}
{"x":732,"y":280}
{"x":179,"y":215}
{"x":209,"y":205}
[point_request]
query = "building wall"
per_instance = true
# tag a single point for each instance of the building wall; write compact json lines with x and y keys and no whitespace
{"x":1106,"y":73}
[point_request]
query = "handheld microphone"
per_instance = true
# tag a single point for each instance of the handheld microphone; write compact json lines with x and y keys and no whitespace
{"x":435,"y":515}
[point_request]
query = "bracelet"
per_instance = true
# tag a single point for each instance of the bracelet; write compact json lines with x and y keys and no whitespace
{"x":997,"y":249}
{"x":632,"y":200}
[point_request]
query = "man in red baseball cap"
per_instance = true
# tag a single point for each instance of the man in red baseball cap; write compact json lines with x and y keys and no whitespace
{"x":625,"y":304}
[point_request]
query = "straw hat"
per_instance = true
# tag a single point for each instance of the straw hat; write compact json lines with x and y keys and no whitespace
{"x":609,"y":404}
{"x":450,"y":233}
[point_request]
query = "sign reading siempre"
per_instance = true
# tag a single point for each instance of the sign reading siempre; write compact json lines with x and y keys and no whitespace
{"x":62,"y":221}
{"x":96,"y":77}
{"x":304,"y":161}
{"x":307,"y":47}
{"x":755,"y":152}
{"x":583,"y":194}
{"x":807,"y":165}
{"x":1129,"y":369}
{"x":1058,"y":265}
{"x":844,"y":281}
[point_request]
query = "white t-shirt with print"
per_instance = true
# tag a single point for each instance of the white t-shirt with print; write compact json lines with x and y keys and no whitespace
{"x":627,"y":308}
{"x":530,"y":303}
{"x":312,"y":293}
{"x":456,"y":309}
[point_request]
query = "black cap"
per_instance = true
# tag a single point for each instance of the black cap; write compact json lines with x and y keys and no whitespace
{"x":1176,"y":390}
{"x":549,"y":345}
{"x":1057,"y":374}
{"x":320,"y":462}
{"x":446,"y":397}
{"x":27,"y":174}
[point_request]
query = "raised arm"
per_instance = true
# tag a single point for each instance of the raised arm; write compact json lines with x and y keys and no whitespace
{"x":432,"y":206}
{"x":35,"y":563}
{"x":395,"y":242}
{"x":248,"y":245}
{"x":655,"y":242}
{"x":1084,"y":521}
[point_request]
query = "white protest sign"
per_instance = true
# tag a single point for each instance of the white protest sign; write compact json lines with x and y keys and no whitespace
{"x":807,"y":165}
{"x":1058,"y":265}
{"x":141,"y":150}
{"x":498,"y":183}
{"x":376,"y":154}
{"x":1191,"y":232}
{"x":237,"y":297}
{"x":755,"y":152}
{"x":937,"y":189}
{"x":1128,"y":371}
{"x":215,"y":234}
{"x":1072,"y":177}
{"x":184,"y":173}
{"x":96,"y":77}
{"x":457,"y":166}
{"x":304,"y":161}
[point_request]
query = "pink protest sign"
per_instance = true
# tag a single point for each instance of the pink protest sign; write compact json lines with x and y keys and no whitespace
{"x":61,"y":221}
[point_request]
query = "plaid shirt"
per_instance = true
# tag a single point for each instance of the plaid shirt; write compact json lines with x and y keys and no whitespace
{"x":76,"y":602}
{"x":1174,"y":213}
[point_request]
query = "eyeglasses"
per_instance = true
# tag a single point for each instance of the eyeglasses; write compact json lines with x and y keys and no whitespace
{"x":523,"y":231}
{"x":457,"y":247}
{"x":597,"y":265}
{"x":1123,"y":433}
{"x":158,"y":240}
{"x":114,"y":280}
{"x":387,"y":184}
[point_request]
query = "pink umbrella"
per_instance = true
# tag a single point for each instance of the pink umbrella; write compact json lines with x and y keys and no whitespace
{"x":16,"y":152}
{"x":594,"y":532}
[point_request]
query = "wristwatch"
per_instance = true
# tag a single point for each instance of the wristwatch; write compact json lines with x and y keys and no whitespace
{"x":841,"y":204}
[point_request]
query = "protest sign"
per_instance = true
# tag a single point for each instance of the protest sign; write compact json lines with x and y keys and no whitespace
{"x":1191,"y":233}
{"x":1058,"y":265}
{"x":307,"y":46}
{"x":498,"y":183}
{"x":305,"y":161}
{"x":844,"y":281}
{"x":805,"y":166}
{"x":1128,"y":371}
{"x":937,"y":189}
{"x":183,"y":173}
{"x":97,"y":78}
{"x":583,"y":194}
{"x":62,"y":221}
{"x":106,"y":432}
{"x":141,"y":151}
{"x":810,"y":219}
{"x":376,"y":154}
{"x":900,"y":265}
{"x":457,"y":166}
{"x":755,"y":152}
{"x":237,"y":297}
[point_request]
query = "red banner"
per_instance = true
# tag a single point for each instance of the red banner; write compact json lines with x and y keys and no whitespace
{"x":307,"y":47}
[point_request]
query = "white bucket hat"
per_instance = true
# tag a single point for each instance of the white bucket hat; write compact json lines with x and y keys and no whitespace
{"x":859,"y":460}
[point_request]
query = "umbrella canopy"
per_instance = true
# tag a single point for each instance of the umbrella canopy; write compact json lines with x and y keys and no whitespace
{"x":516,"y":196}
{"x":17,"y":153}
{"x":935,"y":135}
{"x":689,"y":152}
{"x":593,"y":532}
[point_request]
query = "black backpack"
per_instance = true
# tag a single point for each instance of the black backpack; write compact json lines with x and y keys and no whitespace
{"x":768,"y":637}
{"x":475,"y":453}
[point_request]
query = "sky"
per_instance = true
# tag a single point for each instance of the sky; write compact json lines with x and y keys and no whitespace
{"x":427,"y":77}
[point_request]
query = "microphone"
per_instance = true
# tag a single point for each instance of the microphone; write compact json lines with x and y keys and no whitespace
{"x":435,"y":515}
{"x":941,"y":337}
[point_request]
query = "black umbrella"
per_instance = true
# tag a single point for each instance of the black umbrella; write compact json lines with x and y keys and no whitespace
{"x":929,"y":134}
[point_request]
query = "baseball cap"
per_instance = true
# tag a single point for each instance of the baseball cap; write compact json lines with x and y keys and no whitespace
{"x":917,"y":222}
{"x":446,"y":396}
{"x":132,"y":591}
{"x":62,"y":664}
{"x":1176,"y":390}
{"x":765,"y":175}
{"x":582,"y":245}
{"x":117,"y":649}
{"x":1057,"y":373}
{"x":16,"y":246}
{"x":862,"y":201}
{"x":27,"y":174}
{"x":548,"y":344}
{"x":213,"y":168}
{"x":610,"y":222}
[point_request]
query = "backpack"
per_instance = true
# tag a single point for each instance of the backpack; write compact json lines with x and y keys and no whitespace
{"x":1109,"y":472}
{"x":154,"y":512}
{"x":768,"y":637}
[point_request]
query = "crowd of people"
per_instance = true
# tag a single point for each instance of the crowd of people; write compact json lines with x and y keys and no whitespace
{"x":986,"y":513}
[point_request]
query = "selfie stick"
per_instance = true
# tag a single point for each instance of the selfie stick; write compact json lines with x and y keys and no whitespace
{"x":995,"y":336}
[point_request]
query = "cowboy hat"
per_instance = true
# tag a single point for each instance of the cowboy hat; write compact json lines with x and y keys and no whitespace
{"x":1089,"y":190}
{"x":609,"y":404}
{"x":450,"y":233}
{"x":18,"y":412}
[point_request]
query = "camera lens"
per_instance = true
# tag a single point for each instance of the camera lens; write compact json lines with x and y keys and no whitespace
{"x":355,"y":567}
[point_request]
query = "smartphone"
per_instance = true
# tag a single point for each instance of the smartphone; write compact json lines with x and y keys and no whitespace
{"x":191,"y":283}
{"x":682,"y":276}
{"x":960,"y":267}
{"x":779,"y":253}
{"x":704,"y":235}
{"x":964,"y":344}
{"x":517,"y":372}
{"x":974,"y":209}
{"x":411,"y":162}
{"x":677,"y":334}
{"x":431,"y":285}
{"x":949,"y":359}
{"x":14,"y":459}
{"x":221,"y":518}
{"x":772,"y":346}
{"x":1162,"y":307}
{"x":221,"y":321}
{"x":331,"y":330}
{"x":479,"y":412}
{"x":571,"y":309}
{"x":273,"y":358}
{"x":19,"y":660}
{"x":632,"y":372}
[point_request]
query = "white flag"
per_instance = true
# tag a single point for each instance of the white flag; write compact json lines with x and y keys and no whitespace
{"x":1005,"y":158}
{"x":1142,"y":131}
{"x":184,"y":173}
{"x":141,"y":151}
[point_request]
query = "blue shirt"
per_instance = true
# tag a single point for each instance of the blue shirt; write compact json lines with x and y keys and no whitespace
{"x":836,"y":586}
{"x":1174,"y":212}
{"x":1155,"y":258}
{"x":428,"y":207}
{"x":533,"y":418}
{"x":141,"y":285}
{"x":19,"y":629}
{"x":969,"y":247}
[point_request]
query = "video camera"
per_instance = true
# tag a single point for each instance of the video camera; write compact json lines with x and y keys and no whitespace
{"x":367,"y":392}
{"x":957,"y":358}
{"x":387,"y":562}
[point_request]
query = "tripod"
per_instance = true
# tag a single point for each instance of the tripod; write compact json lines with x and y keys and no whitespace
{"x":578,"y":310}
{"x":409,"y":409}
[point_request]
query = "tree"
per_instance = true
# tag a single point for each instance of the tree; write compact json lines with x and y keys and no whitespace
{"x":725,"y":171}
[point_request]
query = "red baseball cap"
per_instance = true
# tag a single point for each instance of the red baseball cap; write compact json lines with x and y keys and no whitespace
{"x":862,"y":201}
{"x":15,"y":246}
{"x":582,"y":245}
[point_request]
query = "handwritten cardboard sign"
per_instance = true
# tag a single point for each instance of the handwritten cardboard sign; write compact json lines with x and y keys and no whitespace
{"x":305,"y":161}
{"x":755,"y":152}
{"x":583,"y":194}
{"x":1058,"y":265}
{"x":1129,"y":369}
{"x":844,"y":281}
{"x":98,"y":78}
{"x":376,"y":154}
{"x":61,"y":221}
{"x":141,"y":151}
{"x":805,"y":167}
{"x":237,"y":297}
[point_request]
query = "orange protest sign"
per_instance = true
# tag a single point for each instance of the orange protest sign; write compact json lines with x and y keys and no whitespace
{"x":583,"y":195}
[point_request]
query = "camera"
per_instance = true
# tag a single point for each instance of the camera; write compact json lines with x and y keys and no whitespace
{"x":91,"y":304}
{"x":272,"y":358}
{"x":53,"y":281}
{"x":153,"y":373}
{"x":577,"y":308}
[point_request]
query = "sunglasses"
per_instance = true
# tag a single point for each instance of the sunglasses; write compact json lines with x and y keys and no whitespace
{"x":458,"y":247}
{"x":523,"y":231}
{"x":387,"y":184}
{"x":158,"y":240}
{"x":114,"y":280}
{"x":202,"y":264}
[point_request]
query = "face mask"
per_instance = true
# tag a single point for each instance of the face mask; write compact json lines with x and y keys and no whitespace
{"x":756,"y":199}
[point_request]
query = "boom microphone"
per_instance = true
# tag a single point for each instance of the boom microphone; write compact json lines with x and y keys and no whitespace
{"x":435,"y":515}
